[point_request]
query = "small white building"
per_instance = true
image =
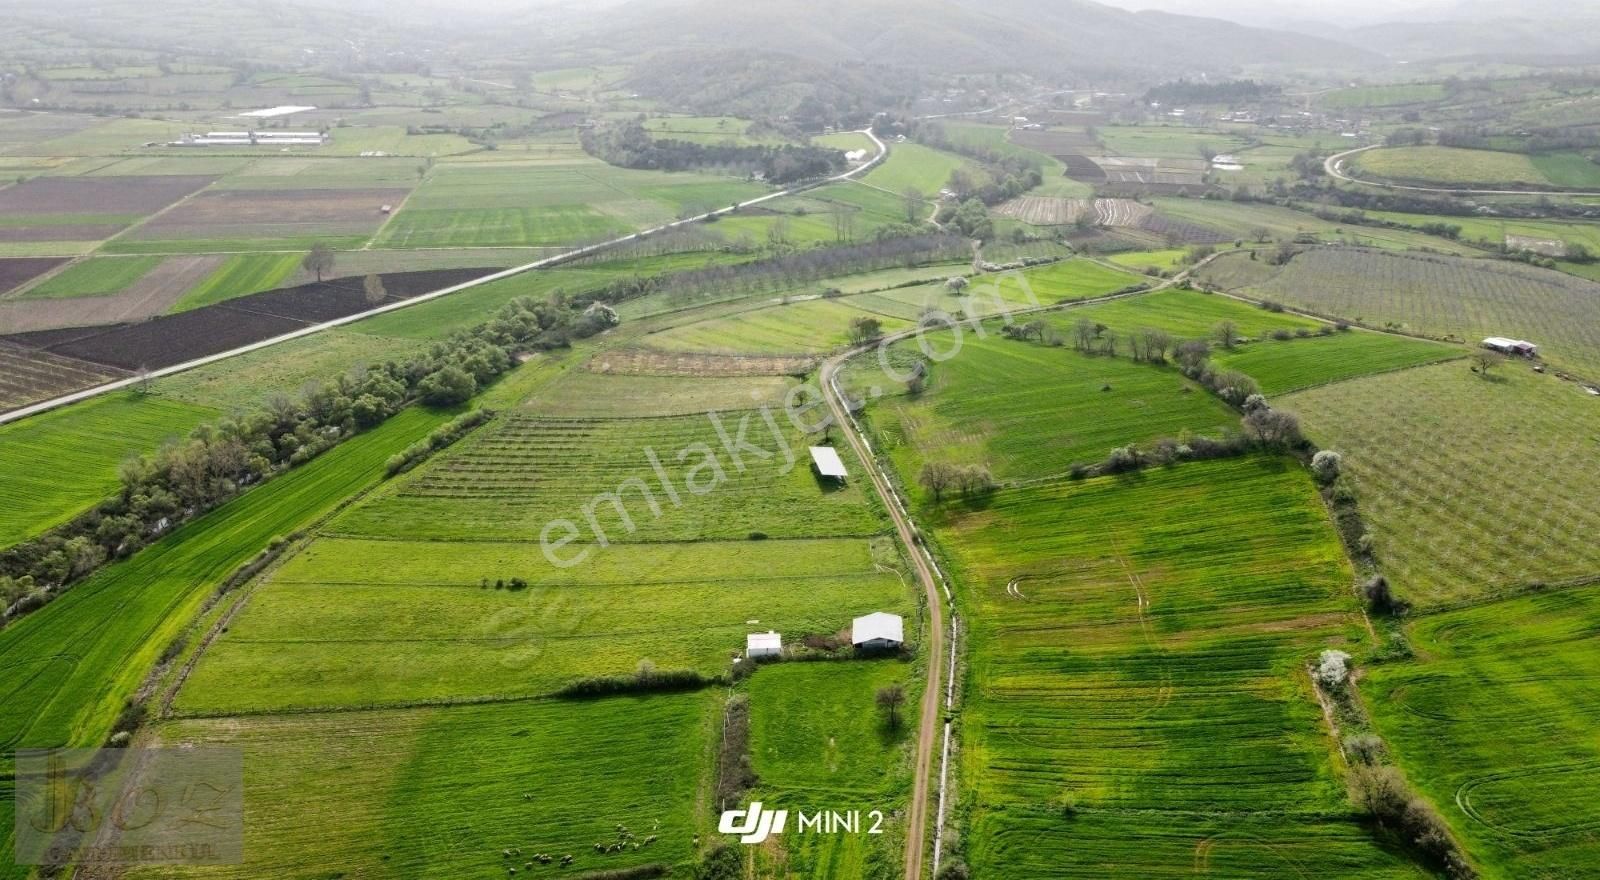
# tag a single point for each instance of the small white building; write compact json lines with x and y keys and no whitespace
{"x":826,"y":460}
{"x":878,"y":631}
{"x":767,"y":644}
{"x":1518,"y":347}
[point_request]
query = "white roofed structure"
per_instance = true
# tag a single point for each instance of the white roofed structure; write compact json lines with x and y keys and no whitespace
{"x":827,"y":462}
{"x":767,"y":644}
{"x":270,"y":112}
{"x":878,"y":630}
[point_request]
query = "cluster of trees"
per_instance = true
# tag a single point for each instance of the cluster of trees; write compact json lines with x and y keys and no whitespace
{"x":970,"y":481}
{"x":1148,"y":344}
{"x":970,"y":218}
{"x":219,"y":460}
{"x":630,"y":145}
{"x":1233,"y":91}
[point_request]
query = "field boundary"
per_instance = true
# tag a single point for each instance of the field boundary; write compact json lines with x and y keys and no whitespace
{"x":44,"y":406}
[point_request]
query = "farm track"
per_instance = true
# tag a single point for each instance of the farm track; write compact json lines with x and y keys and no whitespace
{"x":548,"y":262}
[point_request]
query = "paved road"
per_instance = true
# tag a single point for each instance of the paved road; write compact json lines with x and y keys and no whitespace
{"x":567,"y":256}
{"x":1334,"y":165}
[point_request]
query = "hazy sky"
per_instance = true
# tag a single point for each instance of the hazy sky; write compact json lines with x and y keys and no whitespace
{"x":1349,"y":12}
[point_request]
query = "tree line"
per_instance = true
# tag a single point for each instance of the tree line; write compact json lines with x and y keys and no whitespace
{"x":219,"y":460}
{"x":630,"y":145}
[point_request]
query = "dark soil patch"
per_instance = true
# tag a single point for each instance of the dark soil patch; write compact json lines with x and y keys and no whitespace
{"x":98,"y":195}
{"x":14,"y":272}
{"x":28,"y":376}
{"x":1083,"y":169}
{"x":1184,"y":230}
{"x":174,"y":339}
{"x":275,"y":213}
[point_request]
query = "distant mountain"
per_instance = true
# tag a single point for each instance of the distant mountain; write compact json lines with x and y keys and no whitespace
{"x":1040,"y":36}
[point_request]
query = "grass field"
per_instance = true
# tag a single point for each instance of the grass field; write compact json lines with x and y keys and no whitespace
{"x":445,"y":792}
{"x":1284,"y":366}
{"x":388,"y":622}
{"x":64,"y":461}
{"x":96,"y":276}
{"x":1494,"y":720}
{"x":69,"y":672}
{"x":508,"y":481}
{"x":1242,"y":220}
{"x":817,"y":738}
{"x":1185,"y":314}
{"x":1166,"y":141}
{"x":995,"y":137}
{"x":1431,"y":452}
{"x":593,"y":393}
{"x":1147,"y":662}
{"x":243,"y":383}
{"x":1440,"y":296}
{"x":1449,"y":166}
{"x":1573,"y":170}
{"x":808,"y":327}
{"x":1027,"y":410}
{"x":240,"y":275}
{"x":1383,"y":96}
{"x":924,"y":169}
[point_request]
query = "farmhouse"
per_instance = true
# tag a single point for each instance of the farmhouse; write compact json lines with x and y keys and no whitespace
{"x":767,"y":644}
{"x":826,"y":460}
{"x":252,"y":138}
{"x":878,"y":631}
{"x":1518,"y":347}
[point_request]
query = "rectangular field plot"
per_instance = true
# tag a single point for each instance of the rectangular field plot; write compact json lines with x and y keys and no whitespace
{"x":924,"y":169}
{"x":1071,"y":409}
{"x":57,"y":464}
{"x":1427,"y":449}
{"x":446,"y":792}
{"x":1495,"y":721}
{"x":1140,"y":645}
{"x":269,"y":216}
{"x":28,"y":376}
{"x":1466,"y":299}
{"x":1182,"y":313}
{"x":1282,"y":366}
{"x":592,"y":392}
{"x":371,"y":623}
{"x":807,"y":327}
{"x":509,"y":481}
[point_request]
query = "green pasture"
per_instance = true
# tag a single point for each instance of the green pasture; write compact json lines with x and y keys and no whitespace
{"x":97,"y":276}
{"x":239,"y":275}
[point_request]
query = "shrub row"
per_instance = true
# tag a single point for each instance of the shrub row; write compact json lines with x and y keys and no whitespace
{"x":441,"y":437}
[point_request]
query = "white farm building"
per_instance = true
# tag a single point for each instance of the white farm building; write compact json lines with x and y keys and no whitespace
{"x":827,"y":462}
{"x":878,"y":631}
{"x":1519,"y":347}
{"x":767,"y":644}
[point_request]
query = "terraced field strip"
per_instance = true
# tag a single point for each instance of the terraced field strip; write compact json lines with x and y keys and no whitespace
{"x":508,"y":482}
{"x":355,"y":623}
{"x":1282,"y":366}
{"x":471,"y":791}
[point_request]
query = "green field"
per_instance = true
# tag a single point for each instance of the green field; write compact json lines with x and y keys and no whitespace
{"x":62,"y":462}
{"x":96,"y":276}
{"x":1167,"y":141}
{"x":245,"y":382}
{"x":1245,"y":220}
{"x":1284,"y":366}
{"x":1572,"y":170}
{"x":1148,"y":662}
{"x":1183,"y":313}
{"x":1494,"y":719}
{"x":924,"y":169}
{"x":1026,"y":410}
{"x":816,"y":738}
{"x":594,"y":393}
{"x":1449,"y":166}
{"x":809,"y":327}
{"x":1444,"y":297}
{"x":70,"y":671}
{"x":445,"y":792}
{"x":241,"y":274}
{"x":1470,"y":486}
{"x":357,"y":623}
{"x":1383,"y":96}
{"x":508,"y":481}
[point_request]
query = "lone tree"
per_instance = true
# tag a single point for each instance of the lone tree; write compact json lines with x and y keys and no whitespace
{"x":320,"y":260}
{"x":865,"y":329}
{"x":914,"y":203}
{"x":372,"y":285}
{"x":890,"y":698}
{"x":957,"y":284}
{"x":937,"y":477}
{"x":1227,"y":333}
{"x":1484,"y":360}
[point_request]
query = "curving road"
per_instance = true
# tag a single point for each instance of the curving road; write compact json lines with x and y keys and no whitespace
{"x":1334,"y":165}
{"x":85,"y":394}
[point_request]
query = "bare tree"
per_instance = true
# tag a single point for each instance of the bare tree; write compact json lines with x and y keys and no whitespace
{"x":937,"y":478}
{"x":915,"y":204}
{"x":320,"y":260}
{"x":1484,"y":360}
{"x":1227,"y":333}
{"x":890,"y":698}
{"x":372,"y":286}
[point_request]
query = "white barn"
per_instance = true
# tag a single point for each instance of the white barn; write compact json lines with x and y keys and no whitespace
{"x":878,"y":631}
{"x":1518,"y":347}
{"x":767,"y":644}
